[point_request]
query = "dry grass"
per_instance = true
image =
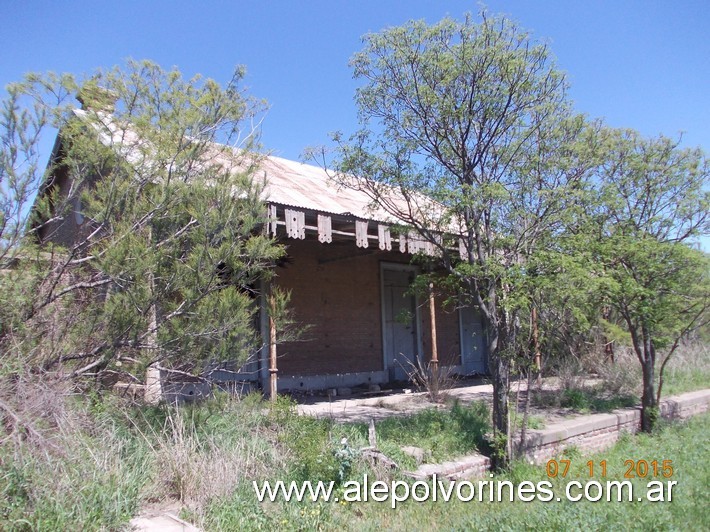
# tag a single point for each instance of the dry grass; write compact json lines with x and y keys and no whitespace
{"x":70,"y":462}
{"x":688,"y":368}
{"x":62,"y":466}
{"x":38,"y":417}
{"x":435,"y":383}
{"x":623,"y":377}
{"x":196,"y":466}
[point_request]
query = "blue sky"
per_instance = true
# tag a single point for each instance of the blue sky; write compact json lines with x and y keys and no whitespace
{"x":639,"y":64}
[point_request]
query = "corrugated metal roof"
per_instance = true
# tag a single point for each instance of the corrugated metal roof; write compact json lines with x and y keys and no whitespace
{"x":304,"y":186}
{"x":288,"y":183}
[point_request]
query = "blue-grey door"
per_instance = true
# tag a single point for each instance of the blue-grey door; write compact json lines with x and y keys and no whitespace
{"x":399,"y":322}
{"x":473,"y":345}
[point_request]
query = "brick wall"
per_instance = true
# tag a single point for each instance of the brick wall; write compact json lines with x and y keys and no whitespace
{"x":601,"y":431}
{"x":588,"y":433}
{"x":448,"y":337}
{"x":336,"y":290}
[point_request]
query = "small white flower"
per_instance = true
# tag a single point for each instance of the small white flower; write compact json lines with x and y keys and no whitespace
{"x":344,"y":441}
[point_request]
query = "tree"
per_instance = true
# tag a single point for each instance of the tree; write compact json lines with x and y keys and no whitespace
{"x":473,"y":116}
{"x":21,"y":173}
{"x":159,"y":173}
{"x":652,"y":202}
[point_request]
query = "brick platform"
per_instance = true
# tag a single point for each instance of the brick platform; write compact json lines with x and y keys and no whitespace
{"x":601,"y":431}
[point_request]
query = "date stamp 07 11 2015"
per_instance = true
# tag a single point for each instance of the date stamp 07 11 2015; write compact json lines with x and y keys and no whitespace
{"x":632,"y":468}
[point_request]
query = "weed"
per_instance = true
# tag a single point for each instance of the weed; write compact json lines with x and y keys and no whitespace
{"x":534,"y":422}
{"x":345,"y":456}
{"x":435,"y":381}
{"x":576,"y":399}
{"x":496,"y":447}
{"x":572,"y":452}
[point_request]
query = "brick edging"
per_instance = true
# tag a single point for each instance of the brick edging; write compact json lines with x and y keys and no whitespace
{"x":590,"y":433}
{"x":601,"y":431}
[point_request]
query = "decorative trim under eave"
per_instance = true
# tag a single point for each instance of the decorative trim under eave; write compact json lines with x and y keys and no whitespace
{"x":361,"y":233}
{"x":273,"y":219}
{"x":384,"y":237}
{"x":325,"y":229}
{"x":295,"y":223}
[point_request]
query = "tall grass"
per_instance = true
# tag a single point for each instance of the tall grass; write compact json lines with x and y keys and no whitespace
{"x":64,"y":466}
{"x":619,"y":384}
{"x":204,"y":451}
{"x":688,"y":369}
{"x":87,"y":463}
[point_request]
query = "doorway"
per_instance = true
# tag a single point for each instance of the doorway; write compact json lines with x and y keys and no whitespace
{"x":473,"y":344}
{"x":400,"y":334}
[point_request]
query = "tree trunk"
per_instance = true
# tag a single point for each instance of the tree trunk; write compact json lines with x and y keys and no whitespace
{"x":608,"y":344}
{"x":499,"y":330}
{"x":526,"y":411}
{"x":499,"y":366}
{"x":501,"y":454}
{"x":536,"y":348}
{"x":649,"y":406}
{"x":273,"y":370}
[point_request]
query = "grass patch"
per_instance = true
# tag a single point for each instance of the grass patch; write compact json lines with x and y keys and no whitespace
{"x":533,"y":422}
{"x":317,"y":453}
{"x":443,"y":434}
{"x":687,"y":370}
{"x":584,"y":400}
{"x":98,"y":461}
{"x":686,"y":511}
{"x":80,"y":471}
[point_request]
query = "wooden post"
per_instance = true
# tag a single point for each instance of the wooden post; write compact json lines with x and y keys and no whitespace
{"x":273,"y":370}
{"x":434,"y":351}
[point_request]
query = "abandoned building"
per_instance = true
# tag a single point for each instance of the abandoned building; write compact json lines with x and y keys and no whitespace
{"x":349,"y":279}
